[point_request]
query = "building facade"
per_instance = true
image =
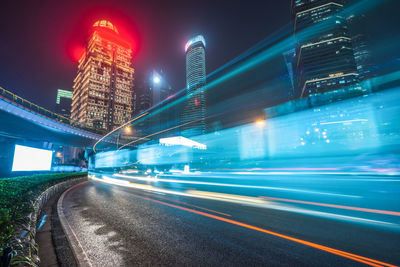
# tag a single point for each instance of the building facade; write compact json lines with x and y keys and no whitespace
{"x":63,"y":103}
{"x":103,"y":87}
{"x":194,"y":111}
{"x":324,"y":54}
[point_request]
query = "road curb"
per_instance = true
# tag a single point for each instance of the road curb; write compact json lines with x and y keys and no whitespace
{"x":79,"y":253}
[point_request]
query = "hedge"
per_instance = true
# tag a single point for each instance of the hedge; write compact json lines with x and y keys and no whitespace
{"x":17,"y":196}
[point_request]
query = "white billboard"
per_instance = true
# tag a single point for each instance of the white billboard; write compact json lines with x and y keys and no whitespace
{"x":31,"y":159}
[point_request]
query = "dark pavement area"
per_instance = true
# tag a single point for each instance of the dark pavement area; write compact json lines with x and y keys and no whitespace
{"x":54,"y":249}
{"x":119,"y":226}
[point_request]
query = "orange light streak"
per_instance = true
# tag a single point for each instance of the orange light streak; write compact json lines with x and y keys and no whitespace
{"x":365,"y":260}
{"x":394,"y":213}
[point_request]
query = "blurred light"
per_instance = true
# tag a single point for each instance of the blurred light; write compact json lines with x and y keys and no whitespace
{"x":183,"y":141}
{"x":229,"y":197}
{"x":156,"y":79}
{"x":128,"y":129}
{"x":186,"y":169}
{"x":260,"y":122}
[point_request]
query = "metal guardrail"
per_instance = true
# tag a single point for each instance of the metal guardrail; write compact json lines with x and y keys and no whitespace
{"x":42,"y":111}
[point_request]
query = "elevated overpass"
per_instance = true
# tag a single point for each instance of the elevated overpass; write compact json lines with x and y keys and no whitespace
{"x":22,"y":120}
{"x":25,"y":123}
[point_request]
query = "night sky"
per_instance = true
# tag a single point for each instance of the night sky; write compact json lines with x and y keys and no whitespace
{"x":40,"y":40}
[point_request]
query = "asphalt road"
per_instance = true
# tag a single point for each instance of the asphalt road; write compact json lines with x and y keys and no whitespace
{"x":119,"y":226}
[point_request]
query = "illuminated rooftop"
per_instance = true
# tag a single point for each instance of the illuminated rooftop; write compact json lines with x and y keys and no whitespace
{"x":195,"y":40}
{"x":105,"y":24}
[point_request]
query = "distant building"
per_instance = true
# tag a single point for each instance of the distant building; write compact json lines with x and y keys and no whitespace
{"x":324,"y":52}
{"x":150,"y":90}
{"x":358,"y":30}
{"x":103,"y":87}
{"x":290,"y":59}
{"x":159,"y":87}
{"x":142,"y":95}
{"x":63,"y":102}
{"x":194,"y":111}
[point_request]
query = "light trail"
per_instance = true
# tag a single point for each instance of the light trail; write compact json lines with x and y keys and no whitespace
{"x":355,"y":257}
{"x":394,"y":213}
{"x":190,"y":205}
{"x":189,"y":193}
{"x":347,"y":121}
{"x":116,"y":129}
{"x":243,"y":200}
{"x":153,"y":180}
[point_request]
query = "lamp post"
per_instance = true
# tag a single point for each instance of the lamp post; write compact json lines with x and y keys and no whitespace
{"x":127,"y":130}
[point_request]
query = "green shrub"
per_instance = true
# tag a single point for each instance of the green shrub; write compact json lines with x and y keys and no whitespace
{"x":17,"y":196}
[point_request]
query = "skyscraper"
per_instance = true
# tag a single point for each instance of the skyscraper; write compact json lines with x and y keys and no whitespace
{"x":324,"y":54}
{"x":195,"y":106}
{"x":63,"y":102}
{"x":103,"y":87}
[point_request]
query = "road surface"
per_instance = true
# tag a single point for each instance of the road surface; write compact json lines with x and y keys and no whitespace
{"x":118,"y":225}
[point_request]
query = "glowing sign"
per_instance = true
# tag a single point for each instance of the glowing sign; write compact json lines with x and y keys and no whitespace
{"x":180,"y":140}
{"x":196,"y":39}
{"x":63,"y":93}
{"x":31,"y":159}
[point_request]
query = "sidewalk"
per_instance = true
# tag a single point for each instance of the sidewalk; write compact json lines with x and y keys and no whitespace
{"x":54,"y":248}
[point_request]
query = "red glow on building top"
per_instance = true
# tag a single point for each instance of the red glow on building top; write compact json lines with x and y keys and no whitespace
{"x":105,"y":24}
{"x":106,"y":30}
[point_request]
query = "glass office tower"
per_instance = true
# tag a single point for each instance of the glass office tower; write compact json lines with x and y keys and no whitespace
{"x":324,"y":53}
{"x":194,"y":112}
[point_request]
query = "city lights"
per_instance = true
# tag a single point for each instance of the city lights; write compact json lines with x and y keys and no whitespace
{"x":156,"y":79}
{"x":128,"y":130}
{"x":260,"y":123}
{"x":278,"y":143}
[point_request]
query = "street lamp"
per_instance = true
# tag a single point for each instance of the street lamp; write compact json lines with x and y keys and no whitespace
{"x":156,"y":79}
{"x":127,"y":130}
{"x":260,"y":123}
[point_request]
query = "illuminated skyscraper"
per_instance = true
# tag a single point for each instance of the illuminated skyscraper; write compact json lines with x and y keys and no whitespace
{"x":63,"y":102}
{"x":103,"y":88}
{"x":195,"y":106}
{"x":324,"y":54}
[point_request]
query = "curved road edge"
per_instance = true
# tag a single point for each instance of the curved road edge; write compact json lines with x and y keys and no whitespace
{"x":80,"y":255}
